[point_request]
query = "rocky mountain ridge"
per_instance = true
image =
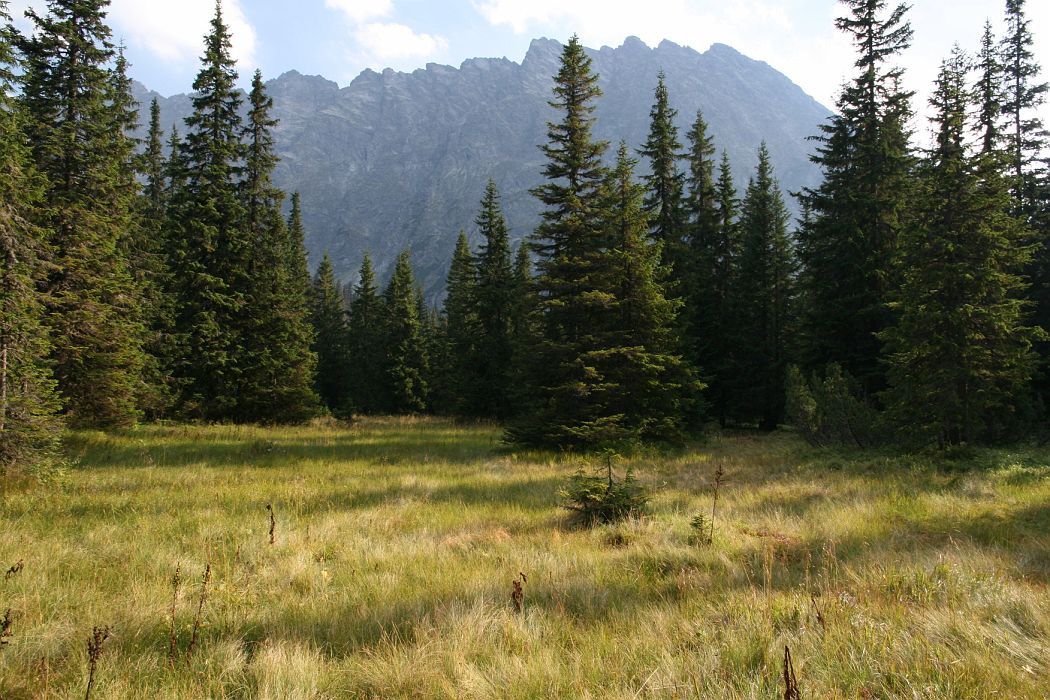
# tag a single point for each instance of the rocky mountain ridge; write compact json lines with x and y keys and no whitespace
{"x":400,"y":160}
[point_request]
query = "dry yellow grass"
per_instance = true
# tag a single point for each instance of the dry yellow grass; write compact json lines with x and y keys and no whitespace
{"x":397,"y":541}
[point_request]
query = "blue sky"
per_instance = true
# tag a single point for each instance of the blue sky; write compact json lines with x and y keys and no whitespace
{"x":339,"y":38}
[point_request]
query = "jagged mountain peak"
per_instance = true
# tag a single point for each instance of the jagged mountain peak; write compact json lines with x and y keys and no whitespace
{"x":399,"y":160}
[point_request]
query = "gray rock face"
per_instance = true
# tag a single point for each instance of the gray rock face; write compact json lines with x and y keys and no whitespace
{"x":400,"y":160}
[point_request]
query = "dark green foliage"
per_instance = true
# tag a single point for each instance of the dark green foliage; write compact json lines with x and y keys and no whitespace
{"x":568,"y":245}
{"x":276,"y":367}
{"x":75,"y":94}
{"x":29,"y":427}
{"x":830,"y":411}
{"x":1024,"y":139}
{"x":212,"y":243}
{"x":959,"y":355}
{"x":298,"y":265}
{"x":328,"y":315}
{"x":601,"y":499}
{"x":1024,"y":131}
{"x":495,"y":301}
{"x":522,"y":299}
{"x":367,"y":335}
{"x":148,"y":257}
{"x":600,"y":368}
{"x":855,"y":216}
{"x":460,"y":391}
{"x":644,"y":390}
{"x":764,"y":300}
{"x":665,"y":183}
{"x":406,"y":364}
{"x":712,"y":255}
{"x":990,"y":92}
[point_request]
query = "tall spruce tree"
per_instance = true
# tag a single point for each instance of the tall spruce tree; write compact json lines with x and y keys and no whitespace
{"x":331,"y":340}
{"x":568,"y":246}
{"x":496,"y":291}
{"x":76,"y":97}
{"x":276,"y":367}
{"x":29,"y":426}
{"x":460,"y":391}
{"x":148,"y":251}
{"x":368,"y":385}
{"x":857,"y":212}
{"x":212,"y":240}
{"x":522,"y":299}
{"x":599,"y":368}
{"x":645,"y":390}
{"x":989,"y":92}
{"x":764,"y":300}
{"x":1024,"y":130}
{"x":1025,"y":141}
{"x":406,"y":363}
{"x":298,"y":262}
{"x":959,"y":355}
{"x":665,"y":183}
{"x":712,"y":255}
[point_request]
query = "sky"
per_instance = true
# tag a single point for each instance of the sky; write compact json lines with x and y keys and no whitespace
{"x":340,"y":38}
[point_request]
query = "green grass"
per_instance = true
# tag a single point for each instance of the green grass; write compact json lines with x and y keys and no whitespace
{"x":397,"y":542}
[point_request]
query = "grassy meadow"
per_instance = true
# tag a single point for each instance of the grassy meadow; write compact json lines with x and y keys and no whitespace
{"x":396,"y":542}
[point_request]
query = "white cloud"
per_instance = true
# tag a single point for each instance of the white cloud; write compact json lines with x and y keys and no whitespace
{"x":763,"y":29}
{"x":389,"y":41}
{"x":175,"y":31}
{"x":361,"y":10}
{"x":382,"y":44}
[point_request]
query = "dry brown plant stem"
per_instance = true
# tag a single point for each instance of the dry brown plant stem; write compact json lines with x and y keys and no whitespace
{"x":200,"y":610}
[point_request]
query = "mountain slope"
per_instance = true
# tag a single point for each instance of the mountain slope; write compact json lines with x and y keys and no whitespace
{"x":398,"y":160}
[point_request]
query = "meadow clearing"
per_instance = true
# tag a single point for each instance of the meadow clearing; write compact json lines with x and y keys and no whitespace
{"x":396,"y":543}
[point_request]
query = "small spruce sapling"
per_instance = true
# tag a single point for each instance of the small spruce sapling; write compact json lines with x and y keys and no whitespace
{"x":601,"y":499}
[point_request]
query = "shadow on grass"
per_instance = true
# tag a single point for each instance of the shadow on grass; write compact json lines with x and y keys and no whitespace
{"x":390,"y":447}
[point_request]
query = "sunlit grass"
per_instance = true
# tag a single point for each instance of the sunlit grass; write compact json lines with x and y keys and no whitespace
{"x":397,"y":541}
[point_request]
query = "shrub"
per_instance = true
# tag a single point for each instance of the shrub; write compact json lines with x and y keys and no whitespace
{"x":599,"y":498}
{"x":831,"y":411}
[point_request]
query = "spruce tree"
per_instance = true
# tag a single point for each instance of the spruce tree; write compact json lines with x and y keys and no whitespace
{"x":959,"y":355}
{"x":29,"y":426}
{"x":331,"y":340}
{"x":298,"y":263}
{"x":568,"y":246}
{"x":989,"y":92}
{"x":857,"y":212}
{"x":712,"y":255}
{"x":644,"y":390}
{"x":460,"y":385}
{"x":211,"y":239}
{"x":1024,"y":130}
{"x":600,"y":365}
{"x":764,"y":298}
{"x":1025,"y":141}
{"x":276,"y":366}
{"x":521,"y":336}
{"x":406,"y":363}
{"x":495,"y":299}
{"x":76,"y":95}
{"x":368,"y":385}
{"x":148,"y":254}
{"x":522,"y":299}
{"x":665,"y":183}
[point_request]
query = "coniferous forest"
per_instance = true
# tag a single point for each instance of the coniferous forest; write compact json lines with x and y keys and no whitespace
{"x":166,"y":277}
{"x":690,"y":436}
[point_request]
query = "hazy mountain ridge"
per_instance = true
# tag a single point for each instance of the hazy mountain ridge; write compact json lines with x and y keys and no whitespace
{"x":396,"y":160}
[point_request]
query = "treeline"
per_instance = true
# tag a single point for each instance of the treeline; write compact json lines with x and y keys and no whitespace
{"x":163,"y":279}
{"x":907,"y":303}
{"x":139,"y":281}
